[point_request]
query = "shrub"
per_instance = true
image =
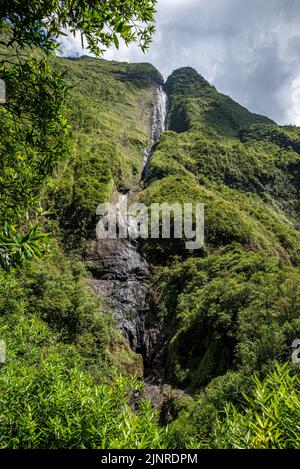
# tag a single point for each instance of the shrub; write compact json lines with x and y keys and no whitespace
{"x":269,"y":416}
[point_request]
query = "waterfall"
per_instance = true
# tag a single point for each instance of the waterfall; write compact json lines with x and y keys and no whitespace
{"x":121,"y":274}
{"x":159,"y":125}
{"x":159,"y":120}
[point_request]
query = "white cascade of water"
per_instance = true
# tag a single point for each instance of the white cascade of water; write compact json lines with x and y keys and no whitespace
{"x":159,"y":125}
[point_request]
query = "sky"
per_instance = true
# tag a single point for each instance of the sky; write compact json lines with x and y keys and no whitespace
{"x":248,"y":49}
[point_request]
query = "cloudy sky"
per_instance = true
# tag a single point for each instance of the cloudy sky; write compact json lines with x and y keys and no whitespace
{"x":249,"y":49}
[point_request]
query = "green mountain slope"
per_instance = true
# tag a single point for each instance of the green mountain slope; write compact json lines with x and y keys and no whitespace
{"x":223,"y":312}
{"x":248,"y":178}
{"x":230,"y":309}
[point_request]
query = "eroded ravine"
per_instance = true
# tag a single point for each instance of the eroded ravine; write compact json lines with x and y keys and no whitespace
{"x":121,"y":275}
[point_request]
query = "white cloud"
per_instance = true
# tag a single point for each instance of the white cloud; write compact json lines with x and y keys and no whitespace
{"x":250,"y":49}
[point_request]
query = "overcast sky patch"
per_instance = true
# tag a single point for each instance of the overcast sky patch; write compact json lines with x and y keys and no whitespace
{"x":249,"y":49}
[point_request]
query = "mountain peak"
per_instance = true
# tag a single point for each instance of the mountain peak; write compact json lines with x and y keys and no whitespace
{"x":186,"y":81}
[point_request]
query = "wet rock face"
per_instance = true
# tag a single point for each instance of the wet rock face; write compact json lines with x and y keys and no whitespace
{"x":116,"y":259}
{"x":121,"y":278}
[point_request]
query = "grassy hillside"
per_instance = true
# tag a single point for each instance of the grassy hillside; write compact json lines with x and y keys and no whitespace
{"x":230,"y":309}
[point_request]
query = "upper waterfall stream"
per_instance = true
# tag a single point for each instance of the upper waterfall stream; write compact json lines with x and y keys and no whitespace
{"x":159,"y":125}
{"x":121,"y":275}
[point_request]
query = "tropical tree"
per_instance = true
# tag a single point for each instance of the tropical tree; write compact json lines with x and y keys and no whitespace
{"x":100,"y":23}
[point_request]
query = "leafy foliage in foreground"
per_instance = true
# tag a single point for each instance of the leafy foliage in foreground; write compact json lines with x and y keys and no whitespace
{"x":15,"y":248}
{"x":49,"y":401}
{"x":269,"y":417}
{"x":34,"y":137}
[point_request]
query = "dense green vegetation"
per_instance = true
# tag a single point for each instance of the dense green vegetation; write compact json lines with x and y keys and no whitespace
{"x":70,"y":379}
{"x":64,"y":358}
{"x":231,"y":309}
{"x":110,"y":116}
{"x":235,"y":309}
{"x":50,"y":395}
{"x":268,"y":417}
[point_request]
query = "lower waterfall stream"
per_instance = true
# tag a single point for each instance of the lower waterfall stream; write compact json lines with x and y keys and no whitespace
{"x":121,"y":275}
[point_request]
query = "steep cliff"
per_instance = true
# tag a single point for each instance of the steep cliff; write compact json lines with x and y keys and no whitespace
{"x":197,"y":324}
{"x":189,"y":319}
